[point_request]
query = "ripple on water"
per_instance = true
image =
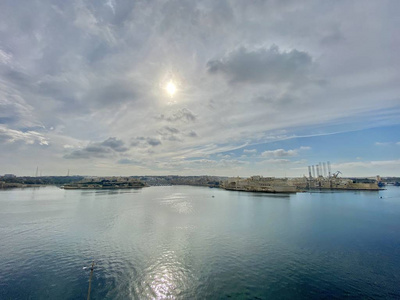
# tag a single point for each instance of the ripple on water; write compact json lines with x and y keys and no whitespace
{"x":166,"y":277}
{"x":179,"y":203}
{"x":178,"y":242}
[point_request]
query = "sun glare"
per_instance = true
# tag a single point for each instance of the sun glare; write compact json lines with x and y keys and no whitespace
{"x":171,"y":88}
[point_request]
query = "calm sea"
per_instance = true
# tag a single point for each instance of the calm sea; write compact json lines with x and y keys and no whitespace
{"x":199,"y":243}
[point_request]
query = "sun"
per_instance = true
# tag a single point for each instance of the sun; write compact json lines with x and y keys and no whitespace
{"x":171,"y":88}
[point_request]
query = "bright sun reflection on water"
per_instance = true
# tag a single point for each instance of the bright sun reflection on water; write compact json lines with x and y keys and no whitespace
{"x":163,"y":285}
{"x":167,"y":277}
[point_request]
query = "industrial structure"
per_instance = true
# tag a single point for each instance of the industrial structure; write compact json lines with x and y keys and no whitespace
{"x":320,"y":177}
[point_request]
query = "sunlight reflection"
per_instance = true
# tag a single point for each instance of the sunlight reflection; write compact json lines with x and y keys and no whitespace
{"x":167,"y":278}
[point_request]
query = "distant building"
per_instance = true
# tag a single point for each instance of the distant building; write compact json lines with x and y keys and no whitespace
{"x":259,"y":184}
{"x":9,"y":176}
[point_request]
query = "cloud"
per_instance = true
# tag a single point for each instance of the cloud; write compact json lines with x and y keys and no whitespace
{"x":250,"y":151}
{"x":111,"y":4}
{"x":332,"y":38}
{"x":114,"y":94}
{"x":305,"y":148}
{"x":386,"y":143}
{"x":183,"y":114}
{"x":192,"y":133}
{"x":284,"y":153}
{"x":279,"y":153}
{"x":107,"y":148}
{"x":171,"y":129}
{"x":145,"y":141}
{"x":127,"y":161}
{"x":5,"y":57}
{"x":262,"y":65}
{"x":97,"y":70}
{"x":153,"y":141}
{"x":170,"y":134}
{"x":369,"y":163}
{"x":29,"y":137}
{"x":277,"y":161}
{"x":14,"y":109}
{"x":231,"y":163}
{"x":87,"y":21}
{"x":115,"y":144}
{"x":300,"y":162}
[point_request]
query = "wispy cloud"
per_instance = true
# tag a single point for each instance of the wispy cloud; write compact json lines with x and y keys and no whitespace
{"x":368,"y":163}
{"x":250,"y":151}
{"x":29,"y":137}
{"x":277,"y":161}
{"x":284,"y":153}
{"x":81,"y":72}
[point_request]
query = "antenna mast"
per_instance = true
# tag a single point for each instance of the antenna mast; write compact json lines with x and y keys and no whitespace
{"x":90,"y":280}
{"x":329,"y":169}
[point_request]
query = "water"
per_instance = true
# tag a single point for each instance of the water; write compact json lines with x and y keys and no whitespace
{"x":181,"y":242}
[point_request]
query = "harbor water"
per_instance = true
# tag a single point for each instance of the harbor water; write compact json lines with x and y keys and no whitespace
{"x":184,"y":242}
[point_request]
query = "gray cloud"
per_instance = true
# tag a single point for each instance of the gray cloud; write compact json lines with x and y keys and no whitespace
{"x":172,"y":138}
{"x":153,"y":141}
{"x":332,"y":38}
{"x":145,"y":141}
{"x":116,"y":93}
{"x":262,"y":65}
{"x":90,"y":152}
{"x":192,"y":134}
{"x":285,"y":99}
{"x":14,"y":109}
{"x":171,"y":134}
{"x":115,"y":144}
{"x":127,"y":161}
{"x":183,"y":114}
{"x":171,"y":129}
{"x":107,"y":148}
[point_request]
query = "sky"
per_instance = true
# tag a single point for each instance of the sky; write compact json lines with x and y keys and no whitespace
{"x":229,"y":88}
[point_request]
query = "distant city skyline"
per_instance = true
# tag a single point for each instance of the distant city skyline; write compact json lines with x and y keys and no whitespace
{"x":226,"y":88}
